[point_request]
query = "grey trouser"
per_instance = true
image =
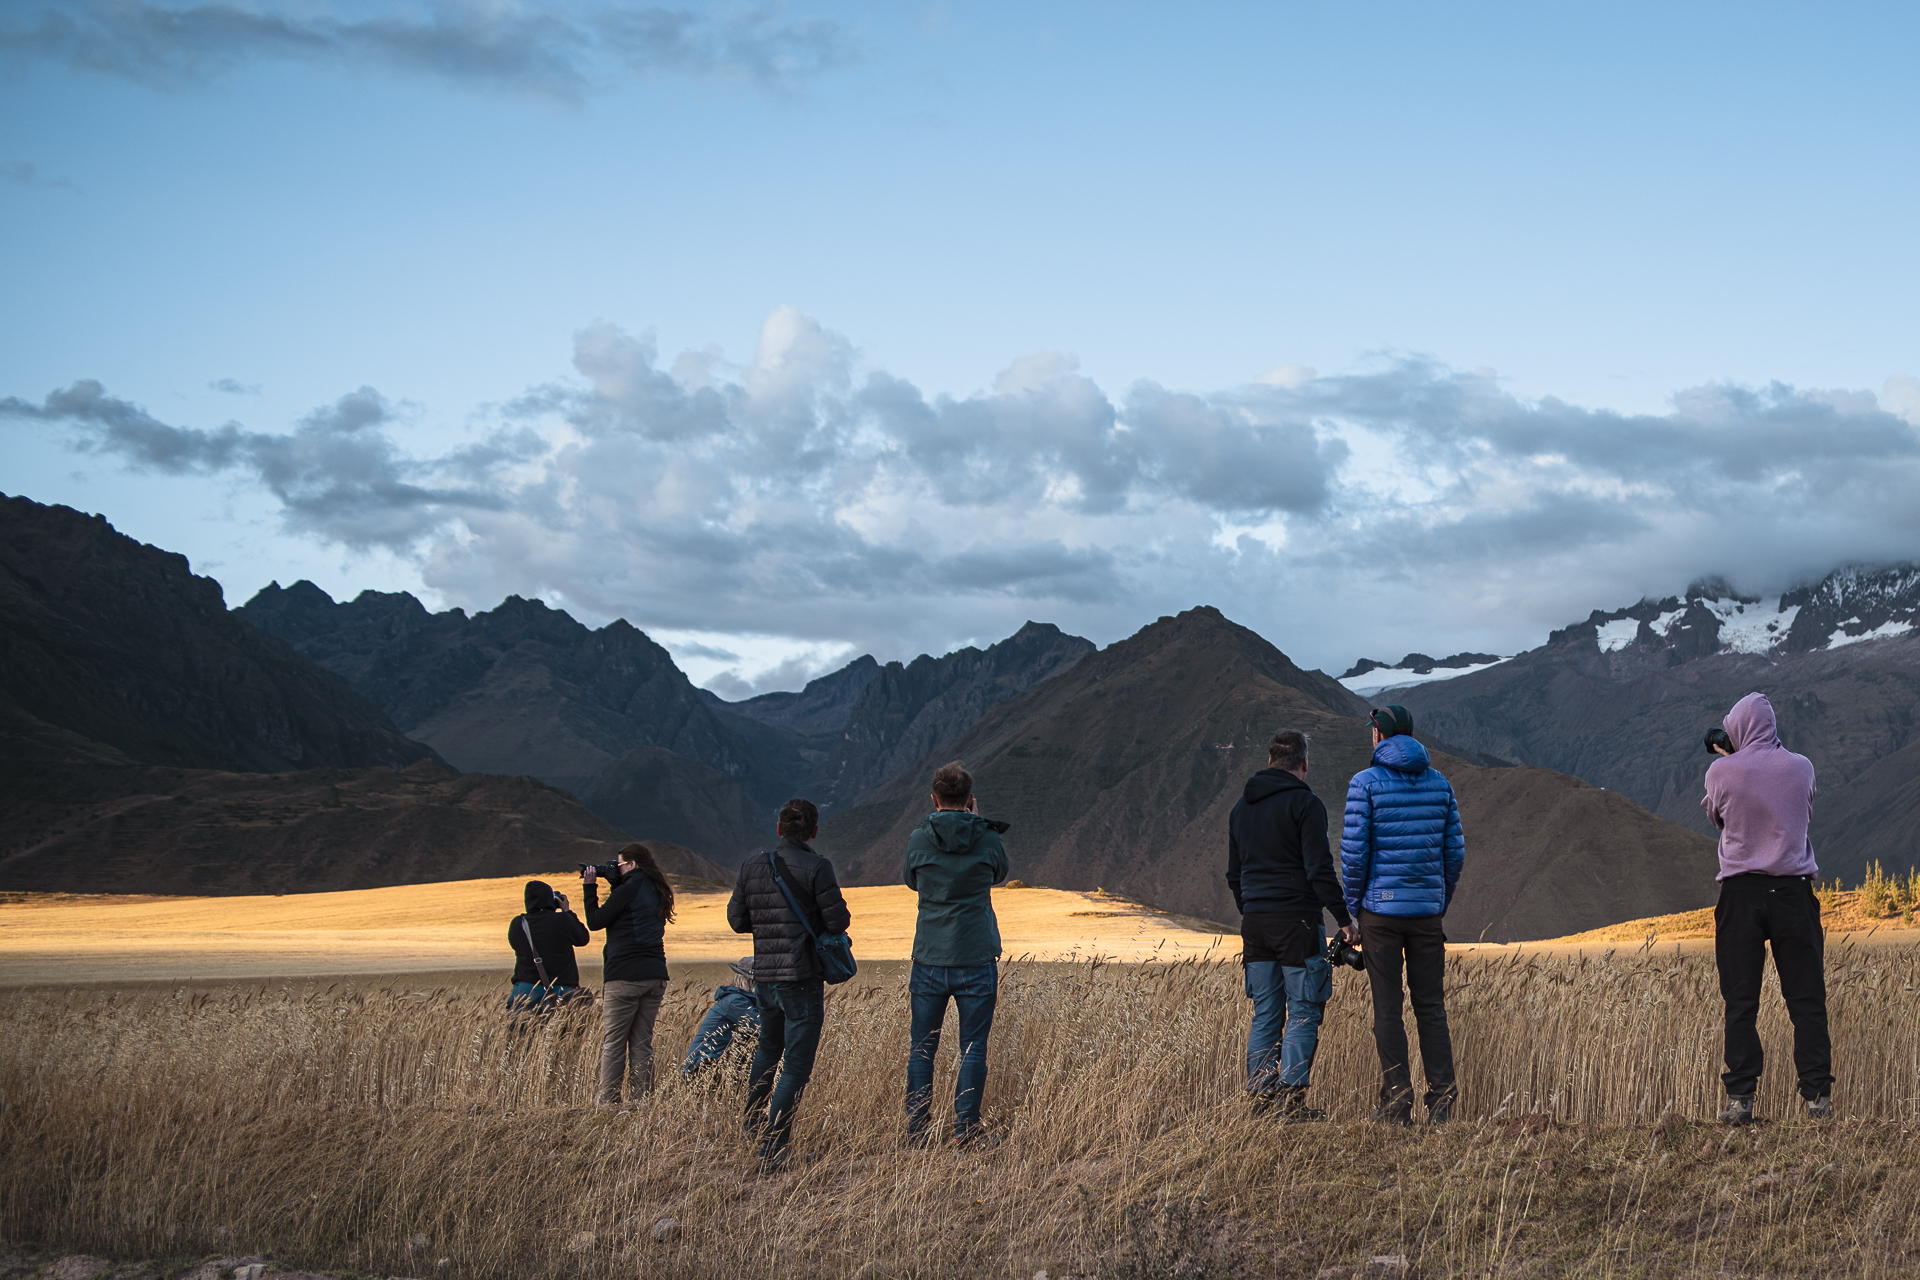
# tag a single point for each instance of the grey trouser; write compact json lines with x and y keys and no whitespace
{"x":627,"y":1011}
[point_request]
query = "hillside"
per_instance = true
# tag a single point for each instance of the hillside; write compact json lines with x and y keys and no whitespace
{"x":1120,"y":773}
{"x":1624,"y":698}
{"x":121,"y":643}
{"x":607,"y":714}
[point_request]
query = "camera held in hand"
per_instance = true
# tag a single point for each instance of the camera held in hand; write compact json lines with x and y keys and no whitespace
{"x":608,"y":871}
{"x":1717,"y":737}
{"x":1342,"y":952}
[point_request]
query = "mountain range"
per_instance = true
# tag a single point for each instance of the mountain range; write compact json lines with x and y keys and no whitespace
{"x":1624,"y":698}
{"x":1120,"y":772}
{"x":152,"y":741}
{"x":607,"y":715}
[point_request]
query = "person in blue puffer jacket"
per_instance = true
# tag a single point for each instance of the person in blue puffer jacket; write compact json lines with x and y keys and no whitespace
{"x":1401,"y":850}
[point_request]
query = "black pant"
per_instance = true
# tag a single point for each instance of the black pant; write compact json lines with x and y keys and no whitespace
{"x":1420,"y":944}
{"x":1753,"y":911}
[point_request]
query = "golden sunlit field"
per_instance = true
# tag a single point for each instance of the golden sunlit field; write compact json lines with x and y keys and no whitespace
{"x":462,"y":925}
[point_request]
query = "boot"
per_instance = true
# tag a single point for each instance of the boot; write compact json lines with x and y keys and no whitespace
{"x":1820,"y":1108}
{"x":1738,"y":1111}
{"x":1397,"y":1110}
{"x":1294,"y":1108}
{"x":1266,"y":1102}
{"x":1440,"y":1109}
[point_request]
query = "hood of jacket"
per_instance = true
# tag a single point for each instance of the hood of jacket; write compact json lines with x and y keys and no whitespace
{"x":1751,"y":723}
{"x":1403,"y":754}
{"x":1268,"y":783}
{"x":539,"y":896}
{"x":957,"y":831}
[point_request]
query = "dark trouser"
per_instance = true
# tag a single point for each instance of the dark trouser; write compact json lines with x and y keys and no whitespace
{"x":1419,"y":944}
{"x":974,"y":989}
{"x":791,"y":1014}
{"x":1753,"y":911}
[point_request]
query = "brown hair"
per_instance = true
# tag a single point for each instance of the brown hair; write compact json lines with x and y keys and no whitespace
{"x":799,"y":819}
{"x":1288,"y":750}
{"x":642,"y":857}
{"x":952,"y":784}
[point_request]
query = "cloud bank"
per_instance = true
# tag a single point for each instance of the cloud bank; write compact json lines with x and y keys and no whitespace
{"x":806,"y":497}
{"x":563,"y":53}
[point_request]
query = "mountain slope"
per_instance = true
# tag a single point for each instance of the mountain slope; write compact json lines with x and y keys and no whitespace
{"x":1624,"y":698}
{"x":520,"y":688}
{"x":121,"y":643}
{"x":1120,"y":773}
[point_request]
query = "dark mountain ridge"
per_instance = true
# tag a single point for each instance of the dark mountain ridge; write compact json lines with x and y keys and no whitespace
{"x":1624,"y":698}
{"x":1120,"y":773}
{"x":122,"y":643}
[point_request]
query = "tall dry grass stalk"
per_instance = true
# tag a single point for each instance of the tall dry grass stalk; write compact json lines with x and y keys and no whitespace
{"x":362,"y":1127}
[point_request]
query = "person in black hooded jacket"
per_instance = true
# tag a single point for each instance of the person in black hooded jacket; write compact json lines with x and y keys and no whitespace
{"x":555,"y":931}
{"x":634,"y":979}
{"x":1280,"y":868}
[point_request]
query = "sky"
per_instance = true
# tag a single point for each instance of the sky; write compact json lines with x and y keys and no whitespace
{"x":791,"y":332}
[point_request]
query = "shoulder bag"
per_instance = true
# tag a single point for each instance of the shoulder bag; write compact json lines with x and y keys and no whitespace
{"x":834,"y":950}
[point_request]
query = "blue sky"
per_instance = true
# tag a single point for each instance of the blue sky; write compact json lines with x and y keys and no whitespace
{"x":1494,"y":264}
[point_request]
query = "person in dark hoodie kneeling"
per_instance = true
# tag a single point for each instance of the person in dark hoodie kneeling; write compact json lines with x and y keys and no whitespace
{"x":954,"y":859}
{"x":1280,"y":869}
{"x":545,"y":972}
{"x":638,"y":908}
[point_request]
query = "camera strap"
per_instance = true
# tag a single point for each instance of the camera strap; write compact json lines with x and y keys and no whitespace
{"x":533,"y":949}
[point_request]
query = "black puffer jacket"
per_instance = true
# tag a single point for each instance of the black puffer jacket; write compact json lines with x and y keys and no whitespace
{"x":782,"y":951}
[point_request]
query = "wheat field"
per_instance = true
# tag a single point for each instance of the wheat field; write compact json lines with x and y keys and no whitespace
{"x":378,"y":1128}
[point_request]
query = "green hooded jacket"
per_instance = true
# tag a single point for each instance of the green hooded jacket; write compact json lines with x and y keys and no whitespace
{"x":953,"y":859}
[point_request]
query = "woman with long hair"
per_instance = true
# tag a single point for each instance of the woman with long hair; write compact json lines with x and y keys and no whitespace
{"x":635,"y":918}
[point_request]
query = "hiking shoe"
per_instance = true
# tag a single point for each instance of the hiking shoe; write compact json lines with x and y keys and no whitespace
{"x":1440,"y":1110}
{"x":1399,"y":1114}
{"x":1294,"y":1108}
{"x":922,"y":1140}
{"x":1737,"y":1111}
{"x":976,"y":1139}
{"x":1265,"y":1104}
{"x":1820,"y":1108}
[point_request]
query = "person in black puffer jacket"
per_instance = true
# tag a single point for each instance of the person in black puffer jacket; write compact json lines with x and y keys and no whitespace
{"x":556,"y":932}
{"x":786,"y":973}
{"x":635,"y":974}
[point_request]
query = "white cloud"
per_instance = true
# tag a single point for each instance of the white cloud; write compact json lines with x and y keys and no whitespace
{"x":805,"y":502}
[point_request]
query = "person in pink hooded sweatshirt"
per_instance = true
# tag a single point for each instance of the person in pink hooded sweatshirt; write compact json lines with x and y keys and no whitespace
{"x":1760,"y":795}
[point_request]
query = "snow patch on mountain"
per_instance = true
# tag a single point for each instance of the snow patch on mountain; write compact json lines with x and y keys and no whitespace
{"x":1884,"y":631}
{"x":1387,"y":679}
{"x":1617,"y":634}
{"x":1752,"y":628}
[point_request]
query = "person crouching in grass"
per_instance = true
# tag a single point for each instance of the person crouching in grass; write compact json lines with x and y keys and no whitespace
{"x":954,"y":859}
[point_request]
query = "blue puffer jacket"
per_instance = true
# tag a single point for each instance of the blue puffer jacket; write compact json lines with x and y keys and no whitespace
{"x":1401,"y":848}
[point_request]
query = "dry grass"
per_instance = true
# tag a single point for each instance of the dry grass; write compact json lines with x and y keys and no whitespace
{"x":363,"y":1127}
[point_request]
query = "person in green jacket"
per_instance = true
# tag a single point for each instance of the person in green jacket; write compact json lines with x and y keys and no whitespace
{"x":954,"y":859}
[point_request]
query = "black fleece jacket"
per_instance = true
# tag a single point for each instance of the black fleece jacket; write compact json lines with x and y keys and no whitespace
{"x":782,"y":951}
{"x":636,"y":949}
{"x":557,"y":933}
{"x":1278,"y":861}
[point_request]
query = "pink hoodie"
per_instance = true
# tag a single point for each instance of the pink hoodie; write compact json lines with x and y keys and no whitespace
{"x":1760,"y":797}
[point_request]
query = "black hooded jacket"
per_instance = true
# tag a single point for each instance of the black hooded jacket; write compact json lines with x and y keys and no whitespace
{"x":782,"y":951}
{"x":556,"y":933}
{"x":1278,"y":861}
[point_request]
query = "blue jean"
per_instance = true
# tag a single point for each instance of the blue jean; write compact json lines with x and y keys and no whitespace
{"x":1288,"y":1003}
{"x":528,"y":995}
{"x":791,"y":1015}
{"x":974,"y":989}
